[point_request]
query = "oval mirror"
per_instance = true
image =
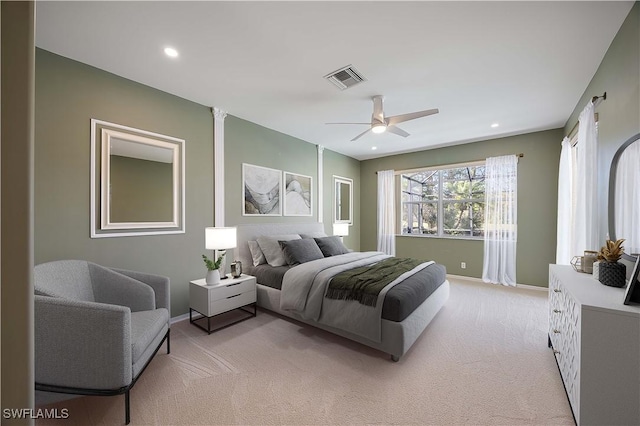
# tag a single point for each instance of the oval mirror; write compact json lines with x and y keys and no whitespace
{"x":624,"y":196}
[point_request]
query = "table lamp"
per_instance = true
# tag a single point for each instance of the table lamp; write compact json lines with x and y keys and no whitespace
{"x":341,"y":229}
{"x":220,"y":239}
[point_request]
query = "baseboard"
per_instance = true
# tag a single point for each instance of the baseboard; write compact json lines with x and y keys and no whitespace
{"x":180,"y":318}
{"x":479,"y":280}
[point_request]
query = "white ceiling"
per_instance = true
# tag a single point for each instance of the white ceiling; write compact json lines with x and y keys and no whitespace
{"x":524,"y":65}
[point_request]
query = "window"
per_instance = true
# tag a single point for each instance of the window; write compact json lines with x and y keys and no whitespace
{"x":446,"y":202}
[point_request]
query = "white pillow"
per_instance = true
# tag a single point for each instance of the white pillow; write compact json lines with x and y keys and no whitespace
{"x":271,"y":248}
{"x":256,"y":254}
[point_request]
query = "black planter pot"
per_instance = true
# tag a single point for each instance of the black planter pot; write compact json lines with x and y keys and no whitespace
{"x":612,"y":274}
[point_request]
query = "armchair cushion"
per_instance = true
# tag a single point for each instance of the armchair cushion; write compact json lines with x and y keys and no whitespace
{"x":145,"y":327}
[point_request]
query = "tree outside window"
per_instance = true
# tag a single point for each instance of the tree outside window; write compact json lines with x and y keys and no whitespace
{"x":447,"y":202}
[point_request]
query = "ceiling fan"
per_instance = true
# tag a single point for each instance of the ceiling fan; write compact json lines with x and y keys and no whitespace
{"x":380,"y":123}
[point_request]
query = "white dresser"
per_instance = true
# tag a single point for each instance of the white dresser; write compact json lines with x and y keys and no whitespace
{"x":596,"y":342}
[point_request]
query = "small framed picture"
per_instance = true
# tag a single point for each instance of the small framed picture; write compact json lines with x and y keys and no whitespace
{"x":633,"y":288}
{"x":297,"y":197}
{"x":261,"y":191}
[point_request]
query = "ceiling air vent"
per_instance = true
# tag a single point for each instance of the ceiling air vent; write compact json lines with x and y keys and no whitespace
{"x":345,"y":77}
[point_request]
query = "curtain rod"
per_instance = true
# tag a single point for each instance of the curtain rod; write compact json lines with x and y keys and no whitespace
{"x":595,"y":101}
{"x":603,"y":97}
{"x":452,"y":166}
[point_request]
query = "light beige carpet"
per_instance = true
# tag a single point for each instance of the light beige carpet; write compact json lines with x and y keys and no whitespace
{"x":483,"y":360}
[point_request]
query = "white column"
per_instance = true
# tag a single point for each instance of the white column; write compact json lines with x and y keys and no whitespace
{"x":320,"y":182}
{"x":218,"y":165}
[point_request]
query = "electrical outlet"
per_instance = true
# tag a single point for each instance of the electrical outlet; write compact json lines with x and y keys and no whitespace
{"x":463,"y":265}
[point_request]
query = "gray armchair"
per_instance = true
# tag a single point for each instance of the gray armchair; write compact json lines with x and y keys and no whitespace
{"x":96,"y":328}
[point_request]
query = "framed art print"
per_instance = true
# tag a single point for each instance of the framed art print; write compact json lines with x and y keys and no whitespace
{"x":262,"y":188}
{"x":297,"y":198}
{"x":631,"y":293}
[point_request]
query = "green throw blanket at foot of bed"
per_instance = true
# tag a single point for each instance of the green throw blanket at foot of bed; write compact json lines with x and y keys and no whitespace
{"x":365,"y":283}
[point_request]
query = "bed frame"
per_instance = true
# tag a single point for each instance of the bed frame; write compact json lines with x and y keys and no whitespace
{"x":397,"y":337}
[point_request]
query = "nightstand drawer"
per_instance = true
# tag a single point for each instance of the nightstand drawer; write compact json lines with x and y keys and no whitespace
{"x":233,"y":301}
{"x":224,"y":291}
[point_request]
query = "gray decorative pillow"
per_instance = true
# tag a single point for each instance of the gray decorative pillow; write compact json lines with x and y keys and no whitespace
{"x":271,"y":248}
{"x":313,"y":235}
{"x":256,"y":253}
{"x":331,"y":246}
{"x":300,"y":251}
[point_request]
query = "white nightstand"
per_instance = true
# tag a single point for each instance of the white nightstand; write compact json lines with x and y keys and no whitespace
{"x":212,"y":300}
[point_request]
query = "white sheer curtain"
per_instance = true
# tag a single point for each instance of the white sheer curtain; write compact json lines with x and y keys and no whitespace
{"x":386,"y":212}
{"x":627,"y":198}
{"x":584,"y":230}
{"x":500,"y":220}
{"x":565,"y":204}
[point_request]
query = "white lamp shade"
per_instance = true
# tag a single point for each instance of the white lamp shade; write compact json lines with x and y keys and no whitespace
{"x":220,"y":238}
{"x":341,"y":229}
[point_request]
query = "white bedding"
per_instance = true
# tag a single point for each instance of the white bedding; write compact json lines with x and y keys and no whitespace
{"x":304,"y":287}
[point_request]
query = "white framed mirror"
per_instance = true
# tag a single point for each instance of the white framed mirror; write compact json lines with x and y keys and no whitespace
{"x":137,"y":182}
{"x":342,"y":200}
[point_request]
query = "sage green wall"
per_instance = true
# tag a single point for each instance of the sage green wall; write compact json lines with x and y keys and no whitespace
{"x":537,"y":204}
{"x":141,"y":190}
{"x":247,"y":142}
{"x":619,"y":115}
{"x":68,"y":95}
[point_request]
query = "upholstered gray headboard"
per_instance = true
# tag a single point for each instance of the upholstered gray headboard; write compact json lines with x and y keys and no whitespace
{"x":249,"y":232}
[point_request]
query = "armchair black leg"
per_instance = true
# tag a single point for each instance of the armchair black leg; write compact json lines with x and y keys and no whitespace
{"x":127,"y":414}
{"x":169,"y":341}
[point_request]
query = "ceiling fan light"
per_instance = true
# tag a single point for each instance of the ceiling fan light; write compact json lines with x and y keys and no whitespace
{"x":378,"y":128}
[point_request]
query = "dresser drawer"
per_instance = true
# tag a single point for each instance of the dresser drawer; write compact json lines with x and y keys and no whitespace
{"x":233,"y":289}
{"x":233,"y":301}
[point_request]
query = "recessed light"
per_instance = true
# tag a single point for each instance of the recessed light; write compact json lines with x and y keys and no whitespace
{"x":171,"y":52}
{"x":373,"y":148}
{"x":494,"y":125}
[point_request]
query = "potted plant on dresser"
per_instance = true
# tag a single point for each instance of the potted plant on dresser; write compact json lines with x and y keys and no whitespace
{"x":610,"y":271}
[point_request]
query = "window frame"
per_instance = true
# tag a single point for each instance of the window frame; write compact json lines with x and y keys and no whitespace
{"x":440,"y":202}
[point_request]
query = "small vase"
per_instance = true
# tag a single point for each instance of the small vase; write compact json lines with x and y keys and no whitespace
{"x":213,"y":277}
{"x":587,"y":261}
{"x":596,"y":270}
{"x":613,"y":274}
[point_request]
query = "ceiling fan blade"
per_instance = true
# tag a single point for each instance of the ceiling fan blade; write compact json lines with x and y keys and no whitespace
{"x":397,"y":131}
{"x":378,"y":111}
{"x":361,"y":135}
{"x":368,"y":124}
{"x":410,"y":116}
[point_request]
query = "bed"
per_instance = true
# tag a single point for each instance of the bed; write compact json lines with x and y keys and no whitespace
{"x":405,"y":309}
